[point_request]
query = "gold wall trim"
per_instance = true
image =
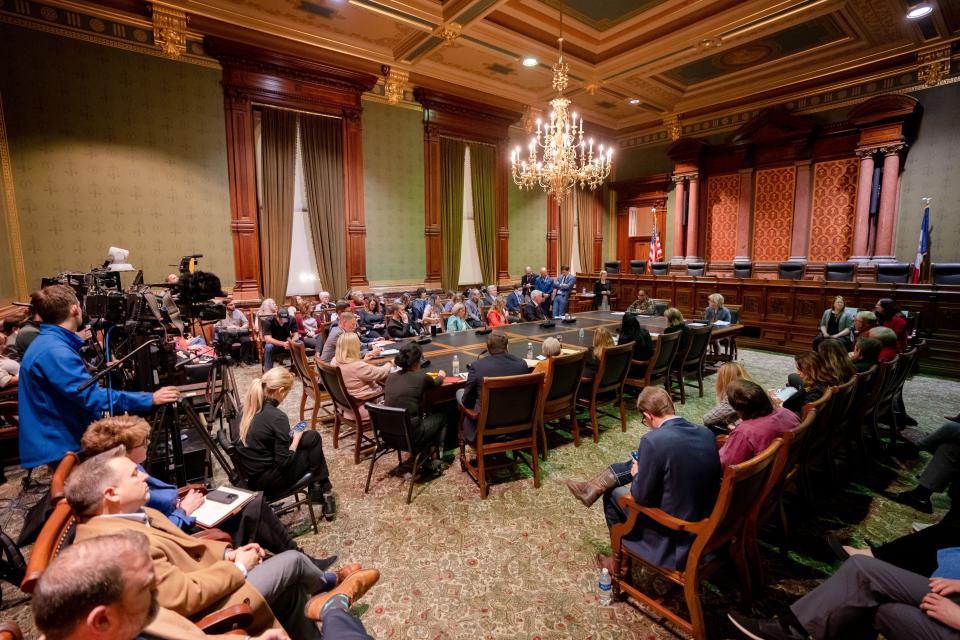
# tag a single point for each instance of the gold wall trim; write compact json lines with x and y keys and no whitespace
{"x":13,"y":219}
{"x":103,"y":40}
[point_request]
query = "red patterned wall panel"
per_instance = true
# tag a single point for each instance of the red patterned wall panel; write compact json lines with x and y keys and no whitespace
{"x":773,"y":214}
{"x":834,"y":208}
{"x":723,"y":194}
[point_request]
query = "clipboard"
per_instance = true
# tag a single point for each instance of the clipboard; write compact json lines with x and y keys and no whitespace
{"x":211,"y":513}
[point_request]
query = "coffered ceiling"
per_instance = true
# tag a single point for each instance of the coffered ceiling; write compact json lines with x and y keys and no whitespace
{"x":634,"y":64}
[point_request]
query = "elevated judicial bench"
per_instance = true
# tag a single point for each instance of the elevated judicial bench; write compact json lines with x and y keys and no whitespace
{"x":784,"y":315}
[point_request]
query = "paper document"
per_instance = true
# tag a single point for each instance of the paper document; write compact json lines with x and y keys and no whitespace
{"x":784,"y":393}
{"x":722,"y":323}
{"x":389,"y":352}
{"x":617,"y":313}
{"x":695,"y":324}
{"x":211,"y":513}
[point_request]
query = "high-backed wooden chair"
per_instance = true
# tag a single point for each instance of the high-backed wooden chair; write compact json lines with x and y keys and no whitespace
{"x":689,"y":361}
{"x":606,"y":387}
{"x":347,"y":410}
{"x":314,"y":398}
{"x":58,"y":482}
{"x":841,"y":412}
{"x":892,"y":393}
{"x":658,"y":369}
{"x":814,"y":444}
{"x":742,"y":486}
{"x":885,"y":392}
{"x":509,"y":419}
{"x":9,"y":434}
{"x":660,"y":305}
{"x":853,"y":426}
{"x":254,"y":323}
{"x":560,"y":390}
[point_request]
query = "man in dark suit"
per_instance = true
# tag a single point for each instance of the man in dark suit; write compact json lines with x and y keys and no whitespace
{"x":677,"y":470}
{"x":498,"y":362}
{"x":527,"y":282}
{"x":533,"y":310}
{"x":515,"y":303}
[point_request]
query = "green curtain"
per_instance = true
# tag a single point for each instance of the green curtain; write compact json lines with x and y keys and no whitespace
{"x":586,"y":212}
{"x":279,"y":158}
{"x":321,"y":141}
{"x":451,"y":210}
{"x":483,"y":175}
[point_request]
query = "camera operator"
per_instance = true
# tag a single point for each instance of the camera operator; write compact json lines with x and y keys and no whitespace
{"x":53,"y":413}
{"x":276,"y":326}
{"x":236,"y":328}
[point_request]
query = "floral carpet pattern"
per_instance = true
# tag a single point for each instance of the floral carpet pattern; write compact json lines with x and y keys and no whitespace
{"x":521,"y":563}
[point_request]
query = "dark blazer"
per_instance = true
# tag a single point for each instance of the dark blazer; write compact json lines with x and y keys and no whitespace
{"x":678,"y":471}
{"x":490,"y":366}
{"x":532,"y":312}
{"x":397,"y":329}
{"x":513,"y":304}
{"x":598,"y":289}
{"x":528,"y":282}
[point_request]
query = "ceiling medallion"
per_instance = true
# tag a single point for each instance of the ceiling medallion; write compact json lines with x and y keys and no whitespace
{"x":448,"y":33}
{"x":170,"y":30}
{"x":559,"y":158}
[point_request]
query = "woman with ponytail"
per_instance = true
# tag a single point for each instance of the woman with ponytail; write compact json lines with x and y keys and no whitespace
{"x":273,"y":456}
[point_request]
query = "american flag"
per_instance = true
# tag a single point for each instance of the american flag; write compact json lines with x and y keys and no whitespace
{"x":656,"y":249}
{"x":923,"y":247}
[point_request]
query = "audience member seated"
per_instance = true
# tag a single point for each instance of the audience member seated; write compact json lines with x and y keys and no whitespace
{"x":10,"y":328}
{"x":676,"y":469}
{"x":490,"y":294}
{"x":715,"y":311}
{"x":324,"y":304}
{"x":643,"y":305}
{"x":53,"y":413}
{"x":550,"y":349}
{"x":356,"y":300}
{"x":347,"y":324}
{"x":256,"y":522}
{"x":722,"y":416}
{"x":498,"y":362}
{"x":866,"y":597}
{"x":533,"y":310}
{"x":602,"y":288}
{"x":360,"y":378}
{"x":675,"y":322}
{"x":472,"y":306}
{"x":196,"y":575}
{"x":497,"y":316}
{"x":339,"y":307}
{"x":458,"y":319}
{"x":545,"y":285}
{"x":760,"y":423}
{"x":866,"y":353}
{"x":405,"y":389}
{"x":514,"y":304}
{"x":602,"y":340}
{"x":9,"y":372}
{"x":528,"y":282}
{"x":455,"y":299}
{"x":632,"y":331}
{"x":235,"y":328}
{"x":398,"y":326}
{"x":836,"y":322}
{"x":941,"y":471}
{"x":29,"y":331}
{"x":432,"y":321}
{"x":417,"y":305}
{"x":274,"y":456}
{"x":811,"y":381}
{"x":562,"y":288}
{"x":888,"y":343}
{"x":370,"y":317}
{"x":276,"y":327}
{"x":837,"y":364}
{"x":863,"y":321}
{"x":889,"y":315}
{"x":311,"y":328}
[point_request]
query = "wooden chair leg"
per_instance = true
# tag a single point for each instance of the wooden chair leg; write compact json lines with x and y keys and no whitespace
{"x":482,"y":475}
{"x":542,"y":431}
{"x":593,"y":421}
{"x":576,"y":426}
{"x":359,"y":442}
{"x":303,"y":403}
{"x":536,"y":465}
{"x":700,"y":380}
{"x":692,"y":596}
{"x":623,"y":416}
{"x":336,"y":431}
{"x":683,"y":387}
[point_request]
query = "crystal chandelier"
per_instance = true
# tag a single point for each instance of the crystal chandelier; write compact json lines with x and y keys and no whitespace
{"x":565,"y":158}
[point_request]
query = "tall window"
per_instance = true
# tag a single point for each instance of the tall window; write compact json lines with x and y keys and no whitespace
{"x":469,"y":255}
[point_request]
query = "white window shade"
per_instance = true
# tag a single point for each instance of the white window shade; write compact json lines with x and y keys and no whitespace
{"x":302,"y":278}
{"x":469,"y":256}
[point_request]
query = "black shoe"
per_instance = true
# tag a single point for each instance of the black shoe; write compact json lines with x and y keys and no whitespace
{"x":837,"y":548}
{"x":955,"y":418}
{"x":774,"y":629}
{"x":910,"y":499}
{"x":323,"y":563}
{"x":908,"y":421}
{"x":329,"y":505}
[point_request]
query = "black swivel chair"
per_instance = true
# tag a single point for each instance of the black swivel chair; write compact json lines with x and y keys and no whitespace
{"x":696,"y":269}
{"x":392,"y":432}
{"x":659,"y":268}
{"x":638,"y":267}
{"x":611,"y":266}
{"x":791,"y":271}
{"x":893,"y":272}
{"x":839,"y":271}
{"x":742,"y":269}
{"x":945,"y":272}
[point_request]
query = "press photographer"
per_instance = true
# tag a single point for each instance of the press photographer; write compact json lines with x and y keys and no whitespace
{"x":53,"y":412}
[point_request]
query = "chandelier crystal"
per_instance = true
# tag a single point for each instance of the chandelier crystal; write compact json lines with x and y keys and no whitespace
{"x":558,"y":156}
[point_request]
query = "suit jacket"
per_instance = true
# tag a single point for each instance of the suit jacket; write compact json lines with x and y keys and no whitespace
{"x":678,"y":471}
{"x":491,"y":366}
{"x":194,"y":578}
{"x":544,"y":285}
{"x":169,"y":625}
{"x":514,"y":302}
{"x":528,"y":282}
{"x":564,"y":284}
{"x":532,"y":312}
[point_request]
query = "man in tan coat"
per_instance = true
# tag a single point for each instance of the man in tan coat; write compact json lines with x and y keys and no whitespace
{"x":197,"y":576}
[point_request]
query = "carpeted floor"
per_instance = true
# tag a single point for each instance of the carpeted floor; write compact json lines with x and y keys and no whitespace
{"x":521,"y":563}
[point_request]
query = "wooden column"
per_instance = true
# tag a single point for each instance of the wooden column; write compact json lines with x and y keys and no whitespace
{"x":802,"y":211}
{"x":862,"y":222}
{"x":503,"y":211}
{"x":679,"y":242}
{"x":241,"y":170}
{"x":889,"y":190}
{"x":431,"y":209}
{"x":745,"y":217}
{"x":353,"y":196}
{"x":598,"y":218}
{"x":693,"y":220}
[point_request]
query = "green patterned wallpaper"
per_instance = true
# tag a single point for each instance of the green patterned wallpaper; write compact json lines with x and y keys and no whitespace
{"x":393,"y":193}
{"x":114,"y":148}
{"x":640,"y":162}
{"x":527,"y":221}
{"x":928,"y":168}
{"x":7,"y":284}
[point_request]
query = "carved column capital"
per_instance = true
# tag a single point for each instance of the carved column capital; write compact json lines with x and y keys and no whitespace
{"x":866,"y":153}
{"x":169,"y":30}
{"x":394,"y":81}
{"x":352,"y":115}
{"x":893,"y":149}
{"x":680,"y":177}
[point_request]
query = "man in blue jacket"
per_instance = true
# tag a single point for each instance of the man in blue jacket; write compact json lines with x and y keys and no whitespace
{"x":544,"y":284}
{"x":53,"y":413}
{"x":563,"y":285}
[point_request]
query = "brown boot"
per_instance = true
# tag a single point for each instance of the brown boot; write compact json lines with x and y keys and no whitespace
{"x":353,"y":587}
{"x":588,"y":492}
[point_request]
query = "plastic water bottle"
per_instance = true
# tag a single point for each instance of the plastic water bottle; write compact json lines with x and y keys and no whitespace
{"x":529,"y":351}
{"x":456,"y":365}
{"x":580,"y":333}
{"x":584,"y":291}
{"x":605,"y":588}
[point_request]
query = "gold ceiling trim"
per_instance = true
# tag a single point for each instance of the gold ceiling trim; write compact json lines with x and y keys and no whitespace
{"x":13,"y":218}
{"x":169,"y":30}
{"x":934,"y":65}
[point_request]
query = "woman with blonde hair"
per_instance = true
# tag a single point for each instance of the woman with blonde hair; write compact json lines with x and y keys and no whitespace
{"x":715,"y":311}
{"x":360,"y":378}
{"x":497,"y":316}
{"x":836,"y":361}
{"x":602,"y":340}
{"x":722,"y":415}
{"x":458,"y":319}
{"x":273,"y":456}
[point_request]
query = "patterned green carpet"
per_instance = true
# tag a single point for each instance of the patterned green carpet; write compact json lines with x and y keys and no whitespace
{"x":521,"y":563}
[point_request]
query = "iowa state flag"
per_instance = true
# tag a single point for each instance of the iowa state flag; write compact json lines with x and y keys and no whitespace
{"x":923,"y":247}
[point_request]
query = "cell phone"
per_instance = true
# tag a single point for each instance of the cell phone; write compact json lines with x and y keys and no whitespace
{"x":300,"y":426}
{"x":221,"y":496}
{"x":634,"y":455}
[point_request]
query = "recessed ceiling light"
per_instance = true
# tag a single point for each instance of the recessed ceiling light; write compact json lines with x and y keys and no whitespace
{"x":530,"y":62}
{"x":634,"y":100}
{"x":918,"y":11}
